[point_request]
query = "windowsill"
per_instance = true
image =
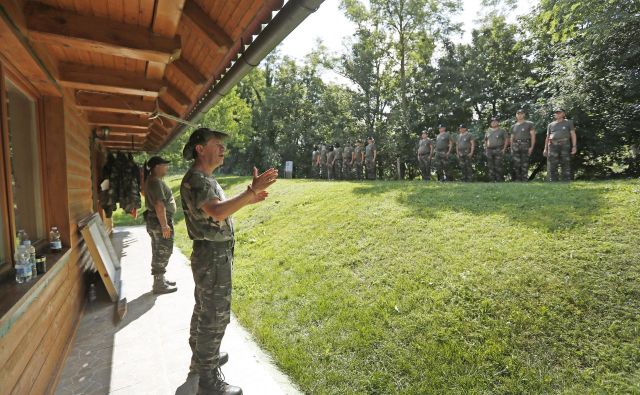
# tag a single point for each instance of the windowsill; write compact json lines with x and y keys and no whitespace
{"x":15,"y":298}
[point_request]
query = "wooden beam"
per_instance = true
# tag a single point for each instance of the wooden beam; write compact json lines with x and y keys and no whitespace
{"x":119,"y":130}
{"x":118,"y":120}
{"x":118,"y":139}
{"x":189,"y":72}
{"x":92,"y":78}
{"x":59,"y":27}
{"x":178,"y":96}
{"x":207,"y":28}
{"x":108,"y":102}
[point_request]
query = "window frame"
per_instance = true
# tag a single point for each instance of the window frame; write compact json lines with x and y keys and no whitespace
{"x":9,"y":223}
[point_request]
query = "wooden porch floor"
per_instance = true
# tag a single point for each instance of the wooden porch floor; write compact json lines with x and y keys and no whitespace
{"x":148,"y":352}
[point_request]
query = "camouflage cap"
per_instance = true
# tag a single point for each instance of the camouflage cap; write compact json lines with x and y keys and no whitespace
{"x":558,"y":109}
{"x":520,"y":111}
{"x":462,"y":126}
{"x":200,"y":137}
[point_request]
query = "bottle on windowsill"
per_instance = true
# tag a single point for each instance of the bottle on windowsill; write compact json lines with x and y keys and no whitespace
{"x":55,"y":245}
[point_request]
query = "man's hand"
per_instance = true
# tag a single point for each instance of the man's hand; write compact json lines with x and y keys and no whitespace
{"x":263,"y":181}
{"x":530,"y":151}
{"x":544,"y":153}
{"x":258,"y":197}
{"x":574,"y":150}
{"x":166,"y":232}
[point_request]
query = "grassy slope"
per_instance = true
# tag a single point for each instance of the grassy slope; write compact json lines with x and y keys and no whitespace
{"x":395,"y":287}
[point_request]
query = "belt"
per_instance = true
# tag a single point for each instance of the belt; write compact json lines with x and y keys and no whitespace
{"x":558,"y":140}
{"x":498,"y":147}
{"x":204,"y":243}
{"x":523,"y":140}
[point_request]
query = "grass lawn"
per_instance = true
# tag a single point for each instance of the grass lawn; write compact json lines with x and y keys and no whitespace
{"x":412,"y":288}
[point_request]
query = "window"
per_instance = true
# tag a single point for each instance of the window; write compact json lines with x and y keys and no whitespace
{"x":25,"y":182}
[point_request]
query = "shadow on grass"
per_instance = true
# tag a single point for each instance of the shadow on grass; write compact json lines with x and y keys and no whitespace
{"x":549,"y":207}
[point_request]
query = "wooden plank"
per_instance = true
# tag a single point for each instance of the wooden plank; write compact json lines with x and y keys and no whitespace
{"x":113,"y":103}
{"x":178,"y":96}
{"x":107,"y":80}
{"x":206,"y":27}
{"x":126,"y":131}
{"x":165,"y":23}
{"x":189,"y":72}
{"x":59,"y":27}
{"x":15,"y":48}
{"x":118,"y":120}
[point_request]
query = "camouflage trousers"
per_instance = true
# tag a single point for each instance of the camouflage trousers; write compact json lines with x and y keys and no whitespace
{"x":425,"y":166}
{"x":346,"y":169}
{"x":161,"y":248}
{"x":357,"y":170}
{"x":211,"y":264}
{"x":337,"y":169}
{"x":315,"y":170}
{"x":370,"y":165}
{"x":442,"y":166}
{"x":323,"y":171}
{"x":495,"y":159}
{"x":520,"y":160}
{"x":559,"y":154}
{"x":465,"y":167}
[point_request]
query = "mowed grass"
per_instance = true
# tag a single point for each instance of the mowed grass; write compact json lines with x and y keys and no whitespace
{"x":411,"y":288}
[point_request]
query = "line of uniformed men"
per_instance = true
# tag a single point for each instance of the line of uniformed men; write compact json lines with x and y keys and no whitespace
{"x":334,"y":162}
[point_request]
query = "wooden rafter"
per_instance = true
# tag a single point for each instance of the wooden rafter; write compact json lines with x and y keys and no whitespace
{"x":206,"y":27}
{"x":107,"y":80}
{"x":109,"y":102}
{"x":59,"y":27}
{"x":178,"y":96}
{"x":118,"y":120}
{"x":189,"y":72}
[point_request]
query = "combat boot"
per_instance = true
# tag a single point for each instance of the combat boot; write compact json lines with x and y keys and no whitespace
{"x":220,"y":387}
{"x":160,"y":287}
{"x":223,"y":358}
{"x":169,"y":283}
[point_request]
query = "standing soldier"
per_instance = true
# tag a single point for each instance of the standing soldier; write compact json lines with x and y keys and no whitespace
{"x":161,"y":207}
{"x":337,"y":161}
{"x":209,"y":224}
{"x":465,"y":147}
{"x":330,"y":157}
{"x":315,"y":162}
{"x":370,"y":154}
{"x":347,"y":154}
{"x":560,"y":144}
{"x":425,"y":153}
{"x":495,"y":142}
{"x":444,"y":144}
{"x":323,"y":162}
{"x":357,"y":159}
{"x":523,"y":139}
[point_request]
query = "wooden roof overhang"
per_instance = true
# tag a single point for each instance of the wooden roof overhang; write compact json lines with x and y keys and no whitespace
{"x":123,"y":62}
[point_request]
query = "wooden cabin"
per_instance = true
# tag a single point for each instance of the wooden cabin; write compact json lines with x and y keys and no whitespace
{"x":68,"y":70}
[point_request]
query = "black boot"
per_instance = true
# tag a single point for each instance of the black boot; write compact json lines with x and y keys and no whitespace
{"x":160,"y":287}
{"x":169,"y":283}
{"x":220,"y":387}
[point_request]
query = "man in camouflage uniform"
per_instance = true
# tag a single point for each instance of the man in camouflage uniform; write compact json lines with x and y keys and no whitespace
{"x":158,"y":217}
{"x":495,"y":142}
{"x":357,"y":159}
{"x":465,"y":147}
{"x":337,"y":161}
{"x":370,"y":154}
{"x":523,"y":139}
{"x":210,"y":226}
{"x":323,"y":162}
{"x":347,"y":154}
{"x":425,"y":153}
{"x":444,"y":144}
{"x":560,"y":145}
{"x":330,"y":157}
{"x":315,"y":162}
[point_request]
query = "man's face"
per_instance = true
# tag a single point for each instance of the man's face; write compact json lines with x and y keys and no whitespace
{"x":559,"y":115}
{"x":369,"y":141}
{"x":424,"y":135}
{"x":442,"y":130}
{"x":212,"y":152}
{"x":494,"y":124}
{"x":520,"y":116}
{"x":462,"y":130}
{"x":161,"y":170}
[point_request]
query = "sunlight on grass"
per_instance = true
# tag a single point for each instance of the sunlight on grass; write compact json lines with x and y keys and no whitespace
{"x":401,"y":287}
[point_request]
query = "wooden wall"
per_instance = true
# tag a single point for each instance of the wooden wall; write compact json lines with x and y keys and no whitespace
{"x":33,"y":347}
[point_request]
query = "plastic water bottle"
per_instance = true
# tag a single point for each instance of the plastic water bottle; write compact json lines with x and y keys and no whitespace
{"x":23,"y":266}
{"x":32,"y":256}
{"x":55,"y":245}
